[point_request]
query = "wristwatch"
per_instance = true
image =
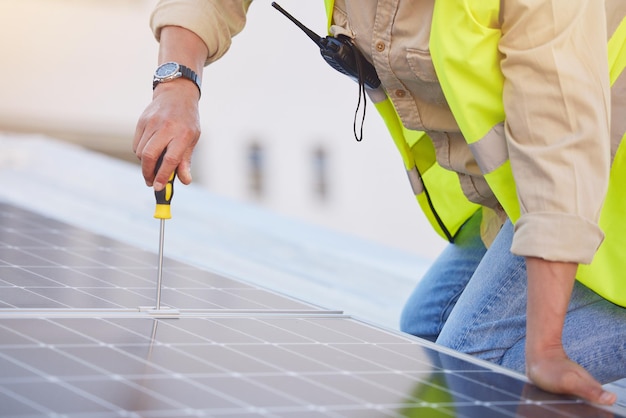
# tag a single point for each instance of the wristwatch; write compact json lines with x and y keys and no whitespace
{"x":171,"y":71}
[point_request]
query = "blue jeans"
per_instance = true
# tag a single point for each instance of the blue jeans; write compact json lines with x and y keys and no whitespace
{"x":473,"y":300}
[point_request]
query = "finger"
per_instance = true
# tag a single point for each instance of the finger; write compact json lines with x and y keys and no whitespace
{"x":607,"y":398}
{"x":534,"y":395}
{"x":179,"y":152}
{"x":580,"y":383}
{"x":184,"y":168}
{"x":142,"y":135}
{"x":169,"y":163}
{"x":149,"y":157}
{"x":590,"y":390}
{"x":150,"y":150}
{"x":139,"y":131}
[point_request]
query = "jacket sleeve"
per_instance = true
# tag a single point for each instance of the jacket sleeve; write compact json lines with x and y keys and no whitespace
{"x":557,"y":104}
{"x":215,"y":21}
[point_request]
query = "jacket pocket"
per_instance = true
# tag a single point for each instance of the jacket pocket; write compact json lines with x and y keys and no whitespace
{"x":421,"y":65}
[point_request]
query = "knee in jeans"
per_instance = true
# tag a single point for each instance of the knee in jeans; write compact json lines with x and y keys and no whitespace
{"x":412,"y":323}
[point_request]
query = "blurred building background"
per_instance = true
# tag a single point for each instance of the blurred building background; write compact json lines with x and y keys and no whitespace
{"x":277,"y":121}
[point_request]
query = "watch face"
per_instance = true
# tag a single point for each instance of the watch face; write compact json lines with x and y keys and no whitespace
{"x":167,"y":69}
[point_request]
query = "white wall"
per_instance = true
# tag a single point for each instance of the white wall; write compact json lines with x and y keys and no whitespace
{"x":81,"y":69}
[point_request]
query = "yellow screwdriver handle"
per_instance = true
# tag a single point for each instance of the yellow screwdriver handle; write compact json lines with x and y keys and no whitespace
{"x":164,"y":197}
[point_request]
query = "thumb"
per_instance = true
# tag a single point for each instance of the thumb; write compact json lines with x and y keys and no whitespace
{"x":586,"y":387}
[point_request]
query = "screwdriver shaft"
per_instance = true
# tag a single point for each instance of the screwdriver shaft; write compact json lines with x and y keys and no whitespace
{"x":160,"y":268}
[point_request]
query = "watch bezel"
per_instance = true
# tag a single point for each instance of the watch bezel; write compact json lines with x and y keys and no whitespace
{"x":172,"y":74}
{"x":177,"y":71}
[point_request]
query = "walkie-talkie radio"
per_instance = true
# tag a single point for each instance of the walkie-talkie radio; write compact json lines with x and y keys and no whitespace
{"x":341,"y":54}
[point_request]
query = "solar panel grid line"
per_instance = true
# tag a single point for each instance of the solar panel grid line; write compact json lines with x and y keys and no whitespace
{"x":218,"y":293}
{"x":11,"y":396}
{"x":26,"y":274}
{"x":75,"y":294}
{"x":130,"y":381}
{"x":62,"y":286}
{"x":56,"y":381}
{"x":31,"y":295}
{"x":264,"y":300}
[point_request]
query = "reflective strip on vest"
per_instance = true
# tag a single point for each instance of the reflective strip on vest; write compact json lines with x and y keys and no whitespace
{"x":617,"y":64}
{"x":491,"y":152}
{"x":618,"y":112}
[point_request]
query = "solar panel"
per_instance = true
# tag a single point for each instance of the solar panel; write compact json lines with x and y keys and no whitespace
{"x":46,"y":264}
{"x":74,"y":343}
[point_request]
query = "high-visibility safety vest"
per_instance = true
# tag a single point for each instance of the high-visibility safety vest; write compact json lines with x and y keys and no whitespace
{"x":471,"y":60}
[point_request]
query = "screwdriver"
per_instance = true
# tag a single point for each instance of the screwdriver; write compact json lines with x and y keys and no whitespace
{"x":162,"y":212}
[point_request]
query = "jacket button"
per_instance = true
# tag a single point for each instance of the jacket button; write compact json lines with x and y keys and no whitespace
{"x":400,"y":93}
{"x":380,"y":46}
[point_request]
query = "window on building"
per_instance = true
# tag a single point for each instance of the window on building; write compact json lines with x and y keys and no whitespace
{"x":320,"y":173}
{"x":256,"y":169}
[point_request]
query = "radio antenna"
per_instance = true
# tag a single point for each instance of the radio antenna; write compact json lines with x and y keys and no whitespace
{"x":314,"y":36}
